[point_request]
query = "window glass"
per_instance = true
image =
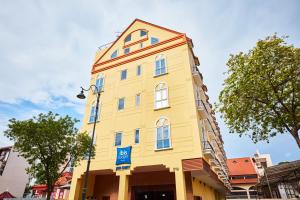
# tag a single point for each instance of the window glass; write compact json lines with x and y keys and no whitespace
{"x":154,"y":40}
{"x":121,"y":104}
{"x":160,"y":66}
{"x":126,"y":50}
{"x":163,"y":134}
{"x":138,"y":70}
{"x":137,"y":99}
{"x":114,"y":54}
{"x":161,"y":96}
{"x":141,"y":45}
{"x":137,"y":136}
{"x":124,"y":74}
{"x":143,"y":33}
{"x":100,"y":83}
{"x":118,"y":139}
{"x":93,"y":113}
{"x":128,"y":38}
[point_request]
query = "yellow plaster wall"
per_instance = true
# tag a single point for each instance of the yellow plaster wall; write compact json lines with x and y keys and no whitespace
{"x":205,"y":191}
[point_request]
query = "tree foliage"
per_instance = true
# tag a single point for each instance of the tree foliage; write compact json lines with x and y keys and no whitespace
{"x":50,"y":144}
{"x":261,"y":94}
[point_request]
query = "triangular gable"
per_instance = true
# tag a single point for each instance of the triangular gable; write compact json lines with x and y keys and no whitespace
{"x":128,"y":31}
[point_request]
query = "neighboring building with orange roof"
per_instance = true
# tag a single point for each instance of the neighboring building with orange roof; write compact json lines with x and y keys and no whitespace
{"x":61,"y":189}
{"x":243,"y":177}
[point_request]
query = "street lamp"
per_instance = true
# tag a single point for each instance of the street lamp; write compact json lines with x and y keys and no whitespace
{"x":82,"y":96}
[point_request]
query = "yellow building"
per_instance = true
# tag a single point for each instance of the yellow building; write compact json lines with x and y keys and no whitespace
{"x":154,"y":103}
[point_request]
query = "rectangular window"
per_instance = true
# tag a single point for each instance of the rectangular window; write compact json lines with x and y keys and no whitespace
{"x":141,"y":45}
{"x":163,"y":137}
{"x":124,"y":74}
{"x":118,"y":139}
{"x":161,"y":98}
{"x":154,"y":40}
{"x":99,"y":84}
{"x":121,"y":104}
{"x":138,"y":70}
{"x":138,"y":99}
{"x":160,"y":67}
{"x":93,"y":114}
{"x":126,"y":51}
{"x":143,"y":33}
{"x":137,"y":136}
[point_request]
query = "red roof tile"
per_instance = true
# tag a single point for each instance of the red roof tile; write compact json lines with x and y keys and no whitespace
{"x":241,"y":166}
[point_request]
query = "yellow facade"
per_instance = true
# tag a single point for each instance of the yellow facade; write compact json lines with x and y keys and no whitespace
{"x":184,"y":114}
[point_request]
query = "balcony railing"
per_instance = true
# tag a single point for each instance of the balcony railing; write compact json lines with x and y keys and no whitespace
{"x":197,"y":75}
{"x":201,"y":108}
{"x":208,"y":150}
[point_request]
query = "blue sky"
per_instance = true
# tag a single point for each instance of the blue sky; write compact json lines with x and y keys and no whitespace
{"x":47,"y":49}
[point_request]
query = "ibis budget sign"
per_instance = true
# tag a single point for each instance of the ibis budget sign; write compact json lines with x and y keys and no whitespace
{"x":123,"y":155}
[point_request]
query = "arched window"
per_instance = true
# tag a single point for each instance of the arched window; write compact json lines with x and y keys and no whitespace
{"x":92,"y":117}
{"x":160,"y":65}
{"x":163,"y":139}
{"x":161,"y":96}
{"x":100,"y":82}
{"x":114,"y":54}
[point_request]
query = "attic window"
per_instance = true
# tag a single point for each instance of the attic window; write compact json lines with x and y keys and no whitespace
{"x":234,"y":162}
{"x":114,"y":54}
{"x":154,"y":40}
{"x":246,"y":160}
{"x":128,"y":38}
{"x":143,"y":33}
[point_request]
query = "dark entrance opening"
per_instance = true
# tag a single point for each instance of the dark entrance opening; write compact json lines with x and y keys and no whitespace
{"x":161,"y":192}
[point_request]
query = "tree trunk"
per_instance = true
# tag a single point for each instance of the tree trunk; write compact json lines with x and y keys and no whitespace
{"x":295,"y":134}
{"x":49,"y":191}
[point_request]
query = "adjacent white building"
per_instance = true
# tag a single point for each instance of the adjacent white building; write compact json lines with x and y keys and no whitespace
{"x":262,"y":161}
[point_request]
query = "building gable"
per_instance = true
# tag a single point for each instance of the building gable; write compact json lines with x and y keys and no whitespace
{"x":138,"y":35}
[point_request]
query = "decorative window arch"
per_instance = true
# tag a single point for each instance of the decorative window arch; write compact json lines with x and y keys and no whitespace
{"x":160,"y":65}
{"x":163,"y":134}
{"x":100,"y":82}
{"x":161,"y":96}
{"x":92,"y":117}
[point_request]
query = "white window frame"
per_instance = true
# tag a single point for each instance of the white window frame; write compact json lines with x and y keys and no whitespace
{"x":158,"y":58}
{"x":169,"y":133}
{"x":99,"y":77}
{"x":161,"y":100}
{"x":98,"y":116}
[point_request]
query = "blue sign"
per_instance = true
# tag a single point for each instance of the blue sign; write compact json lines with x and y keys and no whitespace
{"x":123,"y":155}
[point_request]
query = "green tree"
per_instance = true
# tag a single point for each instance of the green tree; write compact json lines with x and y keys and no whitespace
{"x":261,"y":94}
{"x":49,"y":143}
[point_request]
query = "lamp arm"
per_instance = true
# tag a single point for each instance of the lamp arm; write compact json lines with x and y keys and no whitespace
{"x":91,"y":86}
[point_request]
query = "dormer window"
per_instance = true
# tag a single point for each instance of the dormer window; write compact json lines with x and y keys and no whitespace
{"x":154,"y":40}
{"x":143,"y":33}
{"x":114,"y":54}
{"x":128,"y":38}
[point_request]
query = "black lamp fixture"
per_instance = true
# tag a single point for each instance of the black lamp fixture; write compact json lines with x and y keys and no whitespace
{"x":81,"y":94}
{"x":97,"y":91}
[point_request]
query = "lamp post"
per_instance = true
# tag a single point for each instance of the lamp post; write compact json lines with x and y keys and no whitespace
{"x":82,"y":96}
